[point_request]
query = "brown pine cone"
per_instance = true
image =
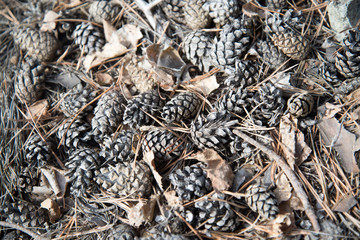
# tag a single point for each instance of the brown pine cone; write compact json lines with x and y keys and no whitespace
{"x":103,"y":10}
{"x":300,"y":104}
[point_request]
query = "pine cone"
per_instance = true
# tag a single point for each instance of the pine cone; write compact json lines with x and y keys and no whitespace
{"x":329,"y":73}
{"x":197,"y":48}
{"x":212,"y":215}
{"x":347,"y":61}
{"x":119,"y":147}
{"x":233,"y":43}
{"x":164,"y":236}
{"x":262,"y":201}
{"x":191,"y":182}
{"x":124,"y":180}
{"x":107,"y":114}
{"x":122,"y":232}
{"x":37,"y":151}
{"x":285,"y":34}
{"x":222,"y":11}
{"x":165,"y":145}
{"x":167,"y":222}
{"x":81,"y":166}
{"x":270,"y":54}
{"x":75,"y":99}
{"x":138,"y":70}
{"x":28,"y":178}
{"x":15,"y":235}
{"x":88,"y":37}
{"x":73,"y":134}
{"x":246,"y":74}
{"x":234,"y":101}
{"x":103,"y":10}
{"x":213,"y":131}
{"x":267,"y":104}
{"x":25,"y":214}
{"x":174,"y":9}
{"x":276,"y":4}
{"x":300,"y":104}
{"x":181,"y":107}
{"x":138,"y":108}
{"x":38,"y":44}
{"x":29,"y":84}
{"x":195,"y":16}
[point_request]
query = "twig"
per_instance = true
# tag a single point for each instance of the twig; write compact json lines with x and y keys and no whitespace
{"x":146,"y":9}
{"x":290,"y":174}
{"x":25,"y":230}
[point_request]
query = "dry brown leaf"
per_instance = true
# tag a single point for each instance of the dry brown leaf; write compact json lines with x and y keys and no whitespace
{"x":250,"y":10}
{"x":283,"y":223}
{"x":38,"y":110}
{"x":302,"y":150}
{"x":142,"y":212}
{"x":67,"y":80}
{"x":49,"y":23}
{"x":295,"y":202}
{"x":206,"y":85}
{"x":283,"y":188}
{"x":103,"y":78}
{"x":355,"y":114}
{"x":54,"y":209}
{"x":288,"y":139}
{"x":334,"y":134}
{"x":345,"y":203}
{"x":109,"y":30}
{"x":173,"y":200}
{"x":330,"y":110}
{"x":218,"y":170}
{"x":149,"y":158}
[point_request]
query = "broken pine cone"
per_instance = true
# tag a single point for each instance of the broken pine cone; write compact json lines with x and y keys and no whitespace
{"x":300,"y":104}
{"x":165,"y":145}
{"x":37,"y":152}
{"x":197,"y":47}
{"x":38,"y":44}
{"x":30,"y":78}
{"x":81,"y":166}
{"x":89,"y":38}
{"x":181,"y":107}
{"x":139,"y":108}
{"x":73,"y":133}
{"x":191,"y":182}
{"x":103,"y":10}
{"x":107,"y":114}
{"x":222,"y":11}
{"x":262,"y":200}
{"x":130,"y":180}
{"x":138,"y":70}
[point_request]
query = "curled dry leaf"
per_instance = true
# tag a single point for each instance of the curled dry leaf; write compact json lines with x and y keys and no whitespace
{"x":54,"y":209}
{"x":142,"y":212}
{"x":38,"y":110}
{"x":302,"y":150}
{"x":206,"y":85}
{"x":55,"y":179}
{"x":218,"y":170}
{"x":334,"y":134}
{"x":250,"y":10}
{"x":173,"y":200}
{"x":49,"y":23}
{"x":149,"y":158}
{"x":103,"y":78}
{"x":281,"y":224}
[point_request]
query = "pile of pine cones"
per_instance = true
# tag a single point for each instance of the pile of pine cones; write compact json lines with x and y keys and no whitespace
{"x":99,"y":134}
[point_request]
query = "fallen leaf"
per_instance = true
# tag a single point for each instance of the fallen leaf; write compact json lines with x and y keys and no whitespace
{"x":288,"y":139}
{"x":109,"y":30}
{"x":67,"y":80}
{"x":345,"y":203}
{"x":56,"y":179}
{"x":283,"y":188}
{"x":103,"y":78}
{"x":206,"y":85}
{"x":49,"y":23}
{"x":355,"y":114}
{"x":218,"y":170}
{"x":142,"y":212}
{"x":149,"y":158}
{"x":173,"y":200}
{"x":334,"y":134}
{"x":54,"y":209}
{"x":295,"y":202}
{"x":38,"y":110}
{"x":170,"y":61}
{"x":330,"y":110}
{"x":283,"y":223}
{"x":250,"y":10}
{"x":302,"y":150}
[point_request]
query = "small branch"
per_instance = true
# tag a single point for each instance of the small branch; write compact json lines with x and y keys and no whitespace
{"x":146,"y":9}
{"x":291,"y":176}
{"x":25,"y":230}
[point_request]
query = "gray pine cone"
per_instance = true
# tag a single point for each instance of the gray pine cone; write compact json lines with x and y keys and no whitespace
{"x":138,"y":108}
{"x":88,"y":37}
{"x":181,"y":107}
{"x":234,"y":100}
{"x":262,"y":201}
{"x":81,"y":166}
{"x":300,"y":104}
{"x":174,"y":9}
{"x":165,"y":145}
{"x":276,"y":4}
{"x":270,"y":54}
{"x":267,"y":104}
{"x":213,"y":131}
{"x":124,"y":180}
{"x":103,"y":10}
{"x":163,"y":236}
{"x":232,"y":44}
{"x":122,"y":232}
{"x":119,"y":147}
{"x":28,"y":178}
{"x":38,"y":44}
{"x":37,"y":151}
{"x":75,"y":99}
{"x":246,"y":74}
{"x":347,"y":61}
{"x":197,"y":48}
{"x":15,"y":235}
{"x":74,"y":134}
{"x":107,"y":114}
{"x":329,"y":73}
{"x":191,"y":182}
{"x":222,"y":11}
{"x":212,"y":215}
{"x":29,"y":84}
